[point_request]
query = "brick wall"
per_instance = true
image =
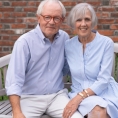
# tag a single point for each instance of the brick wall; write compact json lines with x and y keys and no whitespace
{"x":18,"y":17}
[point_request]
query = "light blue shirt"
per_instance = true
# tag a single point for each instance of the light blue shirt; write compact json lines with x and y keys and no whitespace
{"x":92,"y":69}
{"x":36,"y":64}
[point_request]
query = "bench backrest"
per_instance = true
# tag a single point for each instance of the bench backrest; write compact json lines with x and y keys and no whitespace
{"x":4,"y":61}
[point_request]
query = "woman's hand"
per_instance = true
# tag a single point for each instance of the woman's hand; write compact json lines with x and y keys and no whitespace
{"x":72,"y":106}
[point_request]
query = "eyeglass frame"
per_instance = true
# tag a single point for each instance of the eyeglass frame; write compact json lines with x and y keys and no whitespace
{"x":61,"y":19}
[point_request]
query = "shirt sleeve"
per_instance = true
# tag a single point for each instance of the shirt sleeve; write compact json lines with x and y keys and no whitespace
{"x":104,"y":75}
{"x":17,"y":67}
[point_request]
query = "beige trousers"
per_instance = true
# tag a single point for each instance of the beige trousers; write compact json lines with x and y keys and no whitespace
{"x":33,"y":106}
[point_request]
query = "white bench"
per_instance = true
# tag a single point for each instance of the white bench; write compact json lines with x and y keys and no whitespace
{"x":5,"y":107}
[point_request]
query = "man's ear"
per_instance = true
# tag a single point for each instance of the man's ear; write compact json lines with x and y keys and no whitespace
{"x":38,"y":17}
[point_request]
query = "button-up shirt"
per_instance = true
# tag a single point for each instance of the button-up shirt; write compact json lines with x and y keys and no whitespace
{"x":36,"y":64}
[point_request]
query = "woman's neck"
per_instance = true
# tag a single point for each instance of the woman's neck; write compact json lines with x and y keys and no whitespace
{"x":85,"y":40}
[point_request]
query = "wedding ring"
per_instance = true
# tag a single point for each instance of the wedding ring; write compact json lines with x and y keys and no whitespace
{"x":69,"y":111}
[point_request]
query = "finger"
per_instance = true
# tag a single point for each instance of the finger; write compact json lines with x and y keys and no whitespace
{"x":72,"y":112}
{"x":66,"y":114}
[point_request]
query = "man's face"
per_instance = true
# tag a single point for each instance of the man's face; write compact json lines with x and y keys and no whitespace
{"x":50,"y":28}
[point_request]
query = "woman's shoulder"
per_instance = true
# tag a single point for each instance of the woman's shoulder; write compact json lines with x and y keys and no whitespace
{"x":71,"y":41}
{"x":103,"y":38}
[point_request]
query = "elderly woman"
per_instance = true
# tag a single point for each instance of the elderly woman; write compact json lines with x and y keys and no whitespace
{"x":90,"y":56}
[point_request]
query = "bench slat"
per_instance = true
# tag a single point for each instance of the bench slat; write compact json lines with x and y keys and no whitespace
{"x":5,"y":110}
{"x":0,"y":79}
{"x":4,"y":73}
{"x":4,"y":60}
{"x":4,"y":105}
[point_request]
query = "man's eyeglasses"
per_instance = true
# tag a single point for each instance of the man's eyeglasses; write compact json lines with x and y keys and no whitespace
{"x":56,"y":19}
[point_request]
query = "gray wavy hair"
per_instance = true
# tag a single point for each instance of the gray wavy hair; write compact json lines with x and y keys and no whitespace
{"x":40,"y":7}
{"x":78,"y":12}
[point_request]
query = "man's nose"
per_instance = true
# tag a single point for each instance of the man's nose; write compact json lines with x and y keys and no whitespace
{"x":52,"y":21}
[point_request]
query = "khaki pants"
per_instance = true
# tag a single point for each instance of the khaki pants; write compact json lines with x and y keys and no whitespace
{"x":33,"y":106}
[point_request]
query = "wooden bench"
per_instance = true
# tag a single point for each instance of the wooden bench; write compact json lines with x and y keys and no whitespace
{"x":5,"y":107}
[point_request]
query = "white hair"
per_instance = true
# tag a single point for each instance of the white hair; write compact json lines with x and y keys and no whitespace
{"x":79,"y":12}
{"x":40,"y":7}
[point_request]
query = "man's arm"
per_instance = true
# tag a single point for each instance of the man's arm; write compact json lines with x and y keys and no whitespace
{"x":16,"y":109}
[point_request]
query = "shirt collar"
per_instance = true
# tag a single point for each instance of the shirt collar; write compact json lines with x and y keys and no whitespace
{"x":41,"y":35}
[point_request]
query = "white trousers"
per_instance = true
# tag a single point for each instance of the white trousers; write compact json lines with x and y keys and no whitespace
{"x":34,"y":106}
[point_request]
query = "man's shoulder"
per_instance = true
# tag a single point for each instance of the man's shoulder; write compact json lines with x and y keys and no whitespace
{"x":27,"y":36}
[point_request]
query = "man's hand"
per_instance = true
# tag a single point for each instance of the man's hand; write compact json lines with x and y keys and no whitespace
{"x":18,"y":115}
{"x":72,"y":106}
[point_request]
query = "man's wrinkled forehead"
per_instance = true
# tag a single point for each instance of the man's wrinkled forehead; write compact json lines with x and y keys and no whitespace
{"x":49,"y":4}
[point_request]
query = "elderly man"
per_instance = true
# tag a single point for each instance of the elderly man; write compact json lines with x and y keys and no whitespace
{"x":34,"y":80}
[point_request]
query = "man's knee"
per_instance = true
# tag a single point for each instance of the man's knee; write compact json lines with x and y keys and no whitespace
{"x":77,"y":115}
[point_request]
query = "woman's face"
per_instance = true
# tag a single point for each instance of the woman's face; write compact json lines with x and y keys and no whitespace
{"x":83,"y":25}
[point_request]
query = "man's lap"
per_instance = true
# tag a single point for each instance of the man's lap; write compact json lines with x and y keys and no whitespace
{"x":37,"y":105}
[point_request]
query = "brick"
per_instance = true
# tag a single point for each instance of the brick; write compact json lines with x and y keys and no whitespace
{"x":114,"y":27}
{"x":4,"y":53}
{"x":7,"y":32}
{"x":115,"y":15}
{"x":37,"y":4}
{"x":116,"y":8}
{"x":116,"y":21}
{"x":108,"y":9}
{"x":6,"y":3}
{"x":105,"y":2}
{"x":14,"y":38}
{"x":5,"y":37}
{"x":0,"y":3}
{"x":31,"y":3}
{"x":106,"y":32}
{"x":30,"y":9}
{"x":114,"y":2}
{"x":0,"y":49}
{"x":69,"y":3}
{"x":1,"y":26}
{"x":0,"y":15}
{"x":30,"y":14}
{"x":18,"y":9}
{"x":105,"y":15}
{"x":19,"y":31}
{"x":116,"y":32}
{"x":6,"y":43}
{"x":7,"y":15}
{"x":106,"y":27}
{"x":106,"y":21}
{"x":93,"y":3}
{"x":114,"y":38}
{"x":64,"y":26}
{"x":99,"y":26}
{"x":18,"y":14}
{"x":5,"y":49}
{"x":7,"y":20}
{"x":19,"y":20}
{"x":19,"y":3}
{"x":30,"y":26}
{"x":98,"y":14}
{"x":30,"y":20}
{"x":6,"y":26}
{"x":18,"y":26}
{"x":6,"y":9}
